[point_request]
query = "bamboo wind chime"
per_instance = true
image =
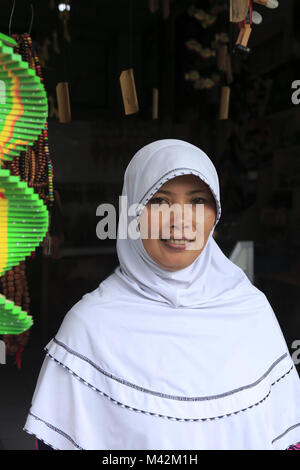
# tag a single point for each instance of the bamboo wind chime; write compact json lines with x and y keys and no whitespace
{"x":240,"y":12}
{"x":129,"y":94}
{"x":224,"y":66}
{"x":26,"y":181}
{"x":62,"y":88}
{"x":63,"y":102}
{"x":127,"y":82}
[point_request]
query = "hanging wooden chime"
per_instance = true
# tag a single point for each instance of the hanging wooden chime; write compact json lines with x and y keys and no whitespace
{"x":129,"y":94}
{"x":63,"y":102}
{"x":155,"y":96}
{"x":241,"y":12}
{"x":224,"y":65}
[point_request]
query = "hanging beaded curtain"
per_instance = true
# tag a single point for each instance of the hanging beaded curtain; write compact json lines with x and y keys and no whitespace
{"x":34,"y":167}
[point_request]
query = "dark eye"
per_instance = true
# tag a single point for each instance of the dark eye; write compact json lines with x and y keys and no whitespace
{"x":199,"y":200}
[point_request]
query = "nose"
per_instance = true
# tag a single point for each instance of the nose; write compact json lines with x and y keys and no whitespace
{"x":182,"y":221}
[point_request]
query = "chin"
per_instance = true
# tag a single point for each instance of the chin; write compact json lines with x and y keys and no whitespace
{"x":175,"y":266}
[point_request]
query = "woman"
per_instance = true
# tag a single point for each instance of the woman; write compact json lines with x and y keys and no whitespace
{"x":176,"y":349}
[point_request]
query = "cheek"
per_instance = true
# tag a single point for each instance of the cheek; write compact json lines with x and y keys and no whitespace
{"x":210,"y":217}
{"x":205,"y":226}
{"x":206,"y":219}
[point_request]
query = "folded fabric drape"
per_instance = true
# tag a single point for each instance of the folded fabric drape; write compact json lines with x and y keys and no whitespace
{"x":157,"y":359}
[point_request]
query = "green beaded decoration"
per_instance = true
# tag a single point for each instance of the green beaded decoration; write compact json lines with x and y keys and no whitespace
{"x":24,"y":218}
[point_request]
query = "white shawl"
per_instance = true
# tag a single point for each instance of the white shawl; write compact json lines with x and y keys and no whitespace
{"x":155,"y":359}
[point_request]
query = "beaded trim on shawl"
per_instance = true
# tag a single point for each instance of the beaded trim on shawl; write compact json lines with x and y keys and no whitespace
{"x":164,"y":416}
{"x":291,"y":447}
{"x":165,"y":395}
{"x":39,"y":438}
{"x":59,"y":431}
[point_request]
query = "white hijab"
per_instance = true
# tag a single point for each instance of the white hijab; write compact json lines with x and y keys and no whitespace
{"x":191,"y":359}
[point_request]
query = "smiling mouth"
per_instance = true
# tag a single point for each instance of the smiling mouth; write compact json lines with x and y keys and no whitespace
{"x":178,"y":242}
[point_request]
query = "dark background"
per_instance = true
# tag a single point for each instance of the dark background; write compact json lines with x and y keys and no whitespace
{"x":255,"y":151}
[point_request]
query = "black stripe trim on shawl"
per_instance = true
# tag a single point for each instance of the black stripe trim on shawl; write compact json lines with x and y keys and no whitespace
{"x":164,"y":395}
{"x":160,"y":415}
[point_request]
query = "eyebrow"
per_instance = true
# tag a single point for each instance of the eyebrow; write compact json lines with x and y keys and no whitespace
{"x":187,"y":193}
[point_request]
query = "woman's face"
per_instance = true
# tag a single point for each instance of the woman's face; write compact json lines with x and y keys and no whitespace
{"x":181,"y":190}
